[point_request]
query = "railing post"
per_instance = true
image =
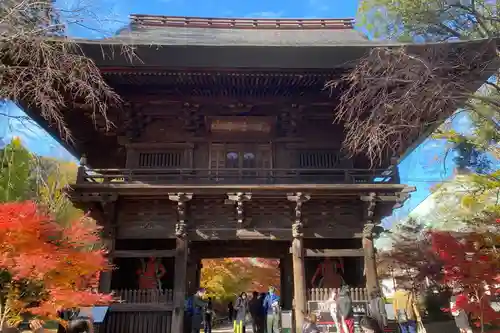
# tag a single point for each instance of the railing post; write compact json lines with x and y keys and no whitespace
{"x":80,"y":174}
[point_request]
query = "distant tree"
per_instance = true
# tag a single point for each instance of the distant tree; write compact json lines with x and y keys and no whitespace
{"x":430,"y":20}
{"x":224,"y":279}
{"x":25,"y":176}
{"x":410,"y":258}
{"x":472,"y":262}
{"x":16,"y":182}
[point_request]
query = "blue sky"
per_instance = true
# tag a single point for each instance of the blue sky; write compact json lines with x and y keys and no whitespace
{"x":423,"y":168}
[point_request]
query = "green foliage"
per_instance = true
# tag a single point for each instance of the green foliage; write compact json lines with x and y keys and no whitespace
{"x":16,"y":182}
{"x":24,"y":176}
{"x":429,"y":20}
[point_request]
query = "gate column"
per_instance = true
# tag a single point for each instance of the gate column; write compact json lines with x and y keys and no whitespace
{"x":368,"y":246}
{"x":299,"y":276}
{"x":181,"y":261}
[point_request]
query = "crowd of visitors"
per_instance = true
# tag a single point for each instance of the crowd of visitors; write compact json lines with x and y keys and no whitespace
{"x":262,"y":312}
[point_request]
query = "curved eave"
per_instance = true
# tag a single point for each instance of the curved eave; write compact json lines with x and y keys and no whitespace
{"x":112,"y":53}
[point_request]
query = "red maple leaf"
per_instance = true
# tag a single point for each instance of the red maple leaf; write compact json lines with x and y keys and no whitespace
{"x":57,"y":266}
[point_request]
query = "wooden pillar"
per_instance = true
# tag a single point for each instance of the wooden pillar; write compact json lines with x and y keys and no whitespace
{"x":299,"y":276}
{"x":370,"y":260}
{"x":191,"y":278}
{"x":370,"y":266}
{"x":199,"y":266}
{"x":286,"y":271}
{"x":181,"y":260}
{"x":108,"y":220}
{"x":105,"y":277}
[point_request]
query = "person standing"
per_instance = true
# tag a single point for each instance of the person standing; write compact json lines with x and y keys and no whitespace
{"x":230,"y":311}
{"x":262,"y":314}
{"x":332,"y":308}
{"x":255,"y":308}
{"x":272,"y":311}
{"x":198,"y":306}
{"x":344,"y":310}
{"x":406,"y":310}
{"x":241,"y":309}
{"x":376,"y":309}
{"x":457,"y":311}
{"x":209,"y":311}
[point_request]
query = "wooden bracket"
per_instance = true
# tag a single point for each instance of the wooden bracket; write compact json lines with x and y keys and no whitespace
{"x":238,"y":199}
{"x":181,"y":199}
{"x":298,"y":226}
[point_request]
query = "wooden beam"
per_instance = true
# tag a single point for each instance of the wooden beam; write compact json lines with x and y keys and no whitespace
{"x":334,"y":253}
{"x":143,"y":253}
{"x":269,"y":233}
{"x":140,"y":307}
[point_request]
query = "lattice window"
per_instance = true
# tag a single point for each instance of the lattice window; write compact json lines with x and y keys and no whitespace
{"x":318,"y":159}
{"x":161,"y":159}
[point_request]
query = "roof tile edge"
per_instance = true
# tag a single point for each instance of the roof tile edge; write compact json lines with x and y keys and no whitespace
{"x":241,"y":23}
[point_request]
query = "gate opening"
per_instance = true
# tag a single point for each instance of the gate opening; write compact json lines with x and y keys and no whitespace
{"x":226,"y":278}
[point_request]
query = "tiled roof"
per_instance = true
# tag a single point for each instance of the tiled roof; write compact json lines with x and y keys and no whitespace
{"x":167,"y":30}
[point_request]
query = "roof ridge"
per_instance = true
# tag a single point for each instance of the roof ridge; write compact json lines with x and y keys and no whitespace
{"x":242,"y":23}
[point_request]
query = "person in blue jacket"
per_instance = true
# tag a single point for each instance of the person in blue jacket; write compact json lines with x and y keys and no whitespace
{"x":272,"y":309}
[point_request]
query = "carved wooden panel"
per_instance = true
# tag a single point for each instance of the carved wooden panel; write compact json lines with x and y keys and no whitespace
{"x":172,"y":159}
{"x":269,"y":213}
{"x":323,"y":214}
{"x":318,"y":159}
{"x":164,"y":130}
{"x":147,"y":219}
{"x":211,"y":213}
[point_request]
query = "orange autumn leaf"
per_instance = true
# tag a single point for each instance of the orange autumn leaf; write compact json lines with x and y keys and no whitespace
{"x":46,"y":267}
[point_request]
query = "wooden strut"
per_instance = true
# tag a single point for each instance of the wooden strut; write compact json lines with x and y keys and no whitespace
{"x":238,"y":199}
{"x":181,"y":199}
{"x":108,"y":204}
{"x":298,"y":226}
{"x":299,"y":279}
{"x":368,"y":246}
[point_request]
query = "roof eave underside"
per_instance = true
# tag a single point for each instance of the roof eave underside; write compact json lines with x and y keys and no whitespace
{"x":116,"y":53}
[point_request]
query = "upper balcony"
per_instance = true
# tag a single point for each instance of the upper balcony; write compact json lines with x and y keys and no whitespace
{"x":231,"y":176}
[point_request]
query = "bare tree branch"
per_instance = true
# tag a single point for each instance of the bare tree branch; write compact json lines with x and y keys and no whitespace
{"x":394,"y":95}
{"x":42,"y":69}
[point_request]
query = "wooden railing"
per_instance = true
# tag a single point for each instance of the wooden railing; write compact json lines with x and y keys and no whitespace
{"x":259,"y":23}
{"x":140,"y":311}
{"x":237,"y":176}
{"x":144,"y":295}
{"x":323,"y":294}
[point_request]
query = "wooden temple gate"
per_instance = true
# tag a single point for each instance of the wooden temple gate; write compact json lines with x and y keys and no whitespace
{"x":224,"y":147}
{"x":176,"y":223}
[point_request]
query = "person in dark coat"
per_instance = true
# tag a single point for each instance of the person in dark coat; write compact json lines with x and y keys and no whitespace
{"x":230,"y":311}
{"x":241,"y":309}
{"x":376,"y":309}
{"x":198,"y":310}
{"x":255,"y":308}
{"x":344,"y":310}
{"x":209,"y":311}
